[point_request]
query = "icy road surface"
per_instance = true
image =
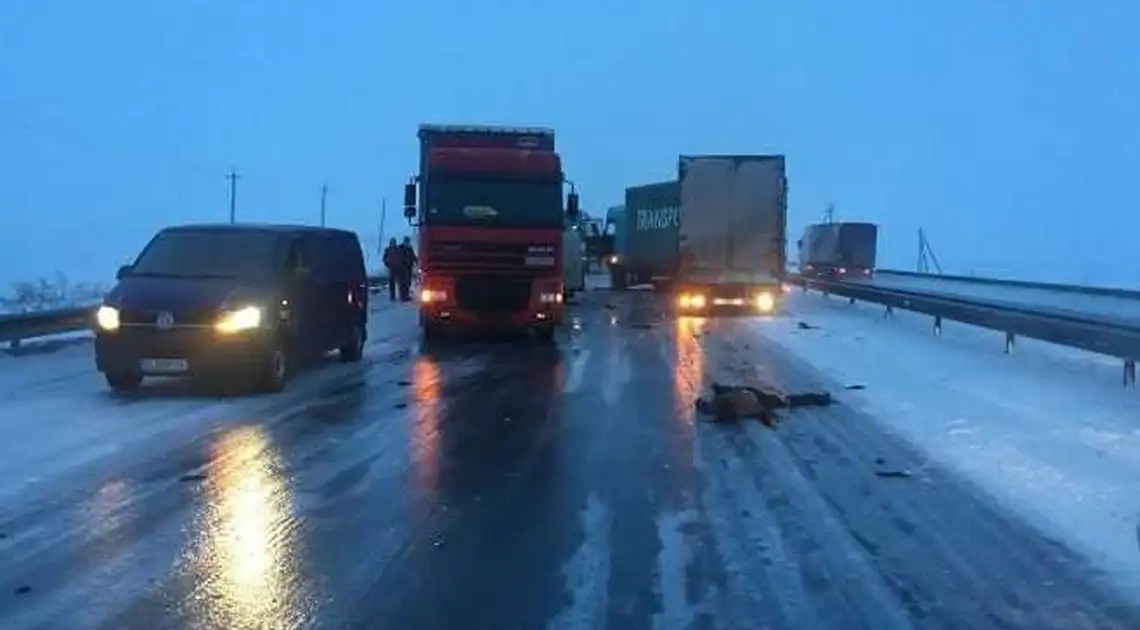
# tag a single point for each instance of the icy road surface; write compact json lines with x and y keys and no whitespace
{"x":504,"y":486}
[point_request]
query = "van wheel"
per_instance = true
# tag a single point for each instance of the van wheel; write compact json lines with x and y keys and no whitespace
{"x":353,"y":351}
{"x":274,"y":371}
{"x":123,"y":381}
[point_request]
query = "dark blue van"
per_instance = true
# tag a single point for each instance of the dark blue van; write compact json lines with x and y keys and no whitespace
{"x":249,"y":301}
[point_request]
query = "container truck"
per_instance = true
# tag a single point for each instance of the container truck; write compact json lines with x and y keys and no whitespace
{"x":733,"y":225}
{"x":649,"y":236}
{"x":838,"y":250}
{"x":488,"y":207}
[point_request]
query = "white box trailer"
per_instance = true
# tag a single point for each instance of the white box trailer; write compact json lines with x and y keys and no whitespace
{"x":733,"y":236}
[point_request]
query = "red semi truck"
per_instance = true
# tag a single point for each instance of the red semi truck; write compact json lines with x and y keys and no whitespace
{"x":488,"y":207}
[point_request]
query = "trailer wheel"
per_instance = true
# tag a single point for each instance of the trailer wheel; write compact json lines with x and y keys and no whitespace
{"x":617,"y":278}
{"x":545,"y":334}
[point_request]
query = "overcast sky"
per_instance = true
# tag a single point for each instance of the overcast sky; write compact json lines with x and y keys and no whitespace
{"x":1010,"y":134}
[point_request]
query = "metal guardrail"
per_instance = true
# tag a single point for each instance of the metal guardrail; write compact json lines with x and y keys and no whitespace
{"x":18,"y":327}
{"x":1021,"y":284}
{"x":1087,"y":332}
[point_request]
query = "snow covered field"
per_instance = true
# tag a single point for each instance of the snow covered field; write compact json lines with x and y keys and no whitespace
{"x":1048,"y":430}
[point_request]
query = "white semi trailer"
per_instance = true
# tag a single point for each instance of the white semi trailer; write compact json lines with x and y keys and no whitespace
{"x":733,"y":233}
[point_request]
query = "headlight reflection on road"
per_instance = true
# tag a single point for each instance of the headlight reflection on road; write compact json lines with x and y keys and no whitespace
{"x":427,"y":384}
{"x":109,"y":532}
{"x":689,"y":365}
{"x":246,"y":558}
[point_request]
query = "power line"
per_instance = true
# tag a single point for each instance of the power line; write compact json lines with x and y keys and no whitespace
{"x":233,"y":177}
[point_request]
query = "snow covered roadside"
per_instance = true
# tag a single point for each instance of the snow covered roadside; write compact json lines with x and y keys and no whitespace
{"x":1049,"y":430}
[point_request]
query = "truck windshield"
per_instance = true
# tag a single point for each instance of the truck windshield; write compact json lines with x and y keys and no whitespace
{"x":212,"y":254}
{"x":494,"y":203}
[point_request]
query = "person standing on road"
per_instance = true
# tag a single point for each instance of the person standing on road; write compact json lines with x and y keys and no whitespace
{"x":392,"y":255}
{"x":408,"y":262}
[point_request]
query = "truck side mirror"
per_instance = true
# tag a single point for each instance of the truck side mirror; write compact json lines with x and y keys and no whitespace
{"x":572,"y":211}
{"x":410,"y":201}
{"x":124,"y":271}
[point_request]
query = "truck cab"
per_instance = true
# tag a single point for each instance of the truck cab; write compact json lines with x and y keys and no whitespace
{"x":488,"y":207}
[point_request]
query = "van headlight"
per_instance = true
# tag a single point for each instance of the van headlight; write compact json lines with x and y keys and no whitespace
{"x":239,"y":320}
{"x":550,"y":298}
{"x":107,"y":318}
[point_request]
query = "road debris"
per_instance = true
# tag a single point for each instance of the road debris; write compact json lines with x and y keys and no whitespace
{"x":729,"y":403}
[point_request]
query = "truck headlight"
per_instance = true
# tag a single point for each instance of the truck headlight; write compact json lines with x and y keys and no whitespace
{"x":765,"y":302}
{"x":239,"y":320}
{"x":107,"y":318}
{"x":550,"y":298}
{"x":692,"y":300}
{"x":428,"y":296}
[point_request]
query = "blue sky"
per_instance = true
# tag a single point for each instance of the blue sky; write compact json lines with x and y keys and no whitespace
{"x":1008,"y":130}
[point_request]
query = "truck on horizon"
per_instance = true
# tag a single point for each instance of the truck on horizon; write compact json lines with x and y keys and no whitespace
{"x":488,"y":207}
{"x":838,"y":250}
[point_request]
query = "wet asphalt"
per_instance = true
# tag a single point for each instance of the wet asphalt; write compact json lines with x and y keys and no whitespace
{"x":504,"y":484}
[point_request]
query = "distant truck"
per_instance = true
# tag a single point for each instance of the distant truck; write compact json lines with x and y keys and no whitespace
{"x":838,"y":250}
{"x":487,"y":203}
{"x":733,"y":233}
{"x":646,"y":238}
{"x":615,"y":220}
{"x":573,"y":258}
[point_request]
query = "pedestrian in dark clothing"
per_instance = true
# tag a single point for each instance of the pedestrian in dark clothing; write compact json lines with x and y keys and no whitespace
{"x":408,"y":260}
{"x":392,"y":255}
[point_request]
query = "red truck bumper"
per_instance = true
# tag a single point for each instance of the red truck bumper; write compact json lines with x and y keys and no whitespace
{"x":452,"y":318}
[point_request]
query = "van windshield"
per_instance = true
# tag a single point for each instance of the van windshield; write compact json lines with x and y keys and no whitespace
{"x":212,"y":254}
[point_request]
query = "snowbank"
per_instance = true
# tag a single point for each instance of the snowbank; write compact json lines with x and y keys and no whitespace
{"x":1050,"y":431}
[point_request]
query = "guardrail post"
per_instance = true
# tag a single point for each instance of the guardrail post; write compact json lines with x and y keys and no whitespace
{"x":1010,"y":342}
{"x":937,"y":325}
{"x":1130,"y":373}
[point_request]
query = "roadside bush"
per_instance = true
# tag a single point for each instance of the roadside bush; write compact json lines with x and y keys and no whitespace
{"x":46,"y":294}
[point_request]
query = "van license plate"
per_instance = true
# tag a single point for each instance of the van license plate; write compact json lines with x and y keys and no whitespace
{"x":164,"y":366}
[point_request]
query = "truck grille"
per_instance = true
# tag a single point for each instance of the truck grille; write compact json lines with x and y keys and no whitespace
{"x":513,"y":256}
{"x":492,"y":294}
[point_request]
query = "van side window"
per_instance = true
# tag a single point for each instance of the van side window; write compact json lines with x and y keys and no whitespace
{"x":297,"y":258}
{"x":351,"y":256}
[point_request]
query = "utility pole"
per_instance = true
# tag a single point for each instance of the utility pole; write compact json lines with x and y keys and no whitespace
{"x":233,"y":177}
{"x":324,"y":194}
{"x":383,"y":223}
